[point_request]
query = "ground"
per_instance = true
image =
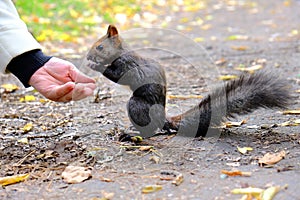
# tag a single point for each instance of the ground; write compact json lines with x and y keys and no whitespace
{"x":85,"y":133}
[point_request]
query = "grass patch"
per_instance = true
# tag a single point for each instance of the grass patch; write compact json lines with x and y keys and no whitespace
{"x":69,"y":19}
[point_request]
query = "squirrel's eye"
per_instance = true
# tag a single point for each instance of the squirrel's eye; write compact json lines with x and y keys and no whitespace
{"x":100,"y":47}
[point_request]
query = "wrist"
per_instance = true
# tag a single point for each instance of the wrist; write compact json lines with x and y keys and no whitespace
{"x":26,"y":64}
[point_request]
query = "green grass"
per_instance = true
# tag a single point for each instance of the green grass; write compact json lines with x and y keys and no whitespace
{"x":68,"y":19}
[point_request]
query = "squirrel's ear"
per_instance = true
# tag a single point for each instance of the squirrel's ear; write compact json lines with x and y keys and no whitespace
{"x":112,"y":31}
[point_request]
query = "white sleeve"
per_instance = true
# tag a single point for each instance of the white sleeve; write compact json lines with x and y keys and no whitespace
{"x":15,"y":38}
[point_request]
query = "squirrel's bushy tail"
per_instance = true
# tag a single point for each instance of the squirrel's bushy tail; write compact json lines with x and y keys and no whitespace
{"x":239,"y":96}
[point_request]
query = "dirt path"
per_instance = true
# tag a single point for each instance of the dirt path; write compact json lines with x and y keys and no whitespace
{"x":85,"y":133}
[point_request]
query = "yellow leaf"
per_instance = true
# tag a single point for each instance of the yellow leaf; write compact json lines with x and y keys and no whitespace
{"x":249,"y":191}
{"x":291,"y":112}
{"x":13,"y":179}
{"x":294,"y":32}
{"x":199,"y":39}
{"x":74,"y":13}
{"x":27,"y":98}
{"x":23,"y":140}
{"x":298,"y":91}
{"x":151,"y":188}
{"x":227,"y":77}
{"x":269,"y":193}
{"x":244,"y":150}
{"x":250,"y":69}
{"x":10,"y":87}
{"x":28,"y":127}
{"x":237,"y":37}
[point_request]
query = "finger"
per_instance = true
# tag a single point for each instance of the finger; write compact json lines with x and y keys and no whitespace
{"x":83,"y":90}
{"x":79,"y":77}
{"x":62,"y":93}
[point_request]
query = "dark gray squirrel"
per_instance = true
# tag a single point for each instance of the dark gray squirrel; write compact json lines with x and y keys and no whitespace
{"x":146,"y":79}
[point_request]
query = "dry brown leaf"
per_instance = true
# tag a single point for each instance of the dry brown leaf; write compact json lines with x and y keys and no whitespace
{"x":145,"y":148}
{"x":8,"y":180}
{"x":240,"y":48}
{"x":234,"y":124}
{"x":155,"y":159}
{"x":271,"y":158}
{"x":106,"y":179}
{"x":178,"y":180}
{"x":291,"y":123}
{"x":76,"y":174}
{"x":222,"y":61}
{"x":235,"y":173}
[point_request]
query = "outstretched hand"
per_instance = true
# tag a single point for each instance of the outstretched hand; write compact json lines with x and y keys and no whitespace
{"x":60,"y":80}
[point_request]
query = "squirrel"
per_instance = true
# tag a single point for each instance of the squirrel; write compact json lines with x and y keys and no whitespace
{"x":146,"y":78}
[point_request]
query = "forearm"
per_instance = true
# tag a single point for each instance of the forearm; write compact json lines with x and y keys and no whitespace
{"x":14,"y":36}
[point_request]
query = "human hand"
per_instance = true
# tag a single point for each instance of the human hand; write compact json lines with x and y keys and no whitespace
{"x":60,"y":80}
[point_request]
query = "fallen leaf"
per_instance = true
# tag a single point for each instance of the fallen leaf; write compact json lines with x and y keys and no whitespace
{"x":145,"y":148}
{"x":249,"y":191}
{"x":270,"y":192}
{"x":8,"y":180}
{"x":291,"y":123}
{"x":298,"y":91}
{"x":234,"y":124}
{"x":250,"y":69}
{"x":178,"y":180}
{"x":235,"y":173}
{"x":271,"y":158}
{"x":106,"y":179}
{"x":222,"y":61}
{"x":292,"y":112}
{"x":240,"y":48}
{"x":155,"y":159}
{"x":257,"y":193}
{"x":177,"y":177}
{"x":28,"y":127}
{"x":244,"y":150}
{"x":27,"y":98}
{"x":199,"y":39}
{"x":151,"y":188}
{"x":8,"y":88}
{"x":237,"y":37}
{"x":227,"y":77}
{"x":76,"y":174}
{"x":184,"y":97}
{"x":23,"y":140}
